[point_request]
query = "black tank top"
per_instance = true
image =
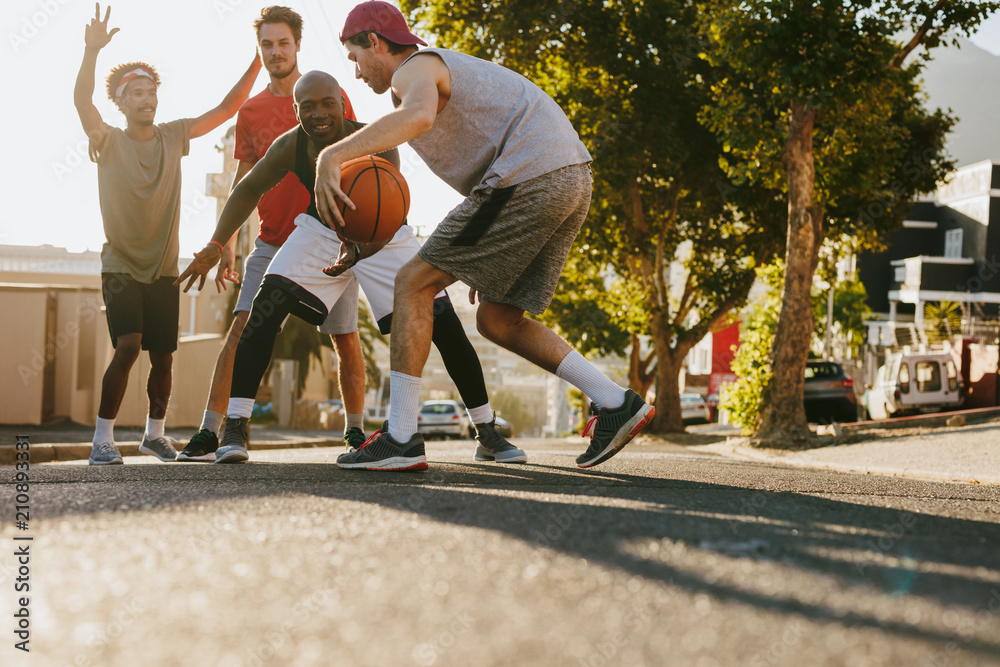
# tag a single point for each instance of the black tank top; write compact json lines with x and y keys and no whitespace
{"x":305,"y":169}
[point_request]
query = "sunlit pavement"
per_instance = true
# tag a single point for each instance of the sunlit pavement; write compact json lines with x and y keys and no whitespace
{"x":661,"y":556}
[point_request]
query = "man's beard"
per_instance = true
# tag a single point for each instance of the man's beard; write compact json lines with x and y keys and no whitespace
{"x":281,"y":75}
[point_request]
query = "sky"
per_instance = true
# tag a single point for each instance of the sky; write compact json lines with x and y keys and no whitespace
{"x":201,"y":48}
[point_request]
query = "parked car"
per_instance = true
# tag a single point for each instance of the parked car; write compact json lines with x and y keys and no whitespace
{"x":503,"y":427}
{"x":693,"y":408}
{"x":446,"y":418}
{"x":829,"y":394}
{"x":915,"y":382}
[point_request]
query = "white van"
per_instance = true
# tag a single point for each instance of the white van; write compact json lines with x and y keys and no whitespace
{"x":915,"y":382}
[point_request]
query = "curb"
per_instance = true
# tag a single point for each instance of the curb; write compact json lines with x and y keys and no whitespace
{"x":766,"y":456}
{"x":81,"y":452}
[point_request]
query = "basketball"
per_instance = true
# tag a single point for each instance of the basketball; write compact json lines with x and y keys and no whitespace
{"x":381,"y":195}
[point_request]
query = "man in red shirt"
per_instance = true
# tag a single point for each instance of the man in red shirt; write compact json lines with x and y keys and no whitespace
{"x":261,"y":120}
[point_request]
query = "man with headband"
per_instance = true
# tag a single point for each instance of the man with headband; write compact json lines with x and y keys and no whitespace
{"x":139,"y":180}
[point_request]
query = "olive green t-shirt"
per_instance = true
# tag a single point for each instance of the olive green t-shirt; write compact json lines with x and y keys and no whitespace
{"x":140,"y":190}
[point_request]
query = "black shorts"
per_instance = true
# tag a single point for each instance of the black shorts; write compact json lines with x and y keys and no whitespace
{"x":152,"y":310}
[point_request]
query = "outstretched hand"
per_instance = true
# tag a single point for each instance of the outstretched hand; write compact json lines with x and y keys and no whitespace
{"x":225,"y":271}
{"x":203,"y":262}
{"x":328,"y":191}
{"x":96,"y":35}
{"x":348,"y":258}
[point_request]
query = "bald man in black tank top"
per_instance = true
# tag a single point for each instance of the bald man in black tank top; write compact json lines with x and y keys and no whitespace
{"x":295,"y":282}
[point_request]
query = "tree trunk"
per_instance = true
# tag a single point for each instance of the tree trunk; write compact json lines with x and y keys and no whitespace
{"x":668,"y":393}
{"x":639,"y":377}
{"x":783,"y":419}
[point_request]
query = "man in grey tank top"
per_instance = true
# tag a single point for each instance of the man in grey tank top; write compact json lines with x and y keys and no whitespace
{"x":507,"y":146}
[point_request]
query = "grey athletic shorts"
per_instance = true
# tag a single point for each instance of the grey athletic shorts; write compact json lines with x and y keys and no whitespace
{"x":511,"y":243}
{"x":343,"y":318}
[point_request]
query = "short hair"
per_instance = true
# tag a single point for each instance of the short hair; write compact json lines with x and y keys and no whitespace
{"x":361,"y":39}
{"x":115,"y":76}
{"x":279,"y":14}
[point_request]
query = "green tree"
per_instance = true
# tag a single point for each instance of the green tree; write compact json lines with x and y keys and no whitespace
{"x":850,"y":310}
{"x":665,"y":227}
{"x":817,"y":101}
{"x":752,"y":361}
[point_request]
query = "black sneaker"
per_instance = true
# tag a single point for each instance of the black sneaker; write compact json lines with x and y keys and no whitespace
{"x":381,"y":452}
{"x":354,"y":437}
{"x":612,"y":429}
{"x":235,"y":439}
{"x":201,"y":447}
{"x":493,"y":447}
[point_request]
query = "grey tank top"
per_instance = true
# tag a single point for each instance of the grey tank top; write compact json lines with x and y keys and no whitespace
{"x":497,"y":129}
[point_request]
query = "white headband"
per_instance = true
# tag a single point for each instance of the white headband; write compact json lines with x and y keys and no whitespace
{"x":137,"y":72}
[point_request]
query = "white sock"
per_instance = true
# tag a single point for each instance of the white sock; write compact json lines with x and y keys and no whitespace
{"x":212,"y":421}
{"x":355,"y":421}
{"x":481,"y":415}
{"x":104,"y":431}
{"x":154,"y":428}
{"x":584,"y":376}
{"x":404,"y":401}
{"x":239,"y":407}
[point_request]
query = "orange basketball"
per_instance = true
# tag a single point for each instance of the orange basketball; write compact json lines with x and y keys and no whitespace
{"x":381,"y":195}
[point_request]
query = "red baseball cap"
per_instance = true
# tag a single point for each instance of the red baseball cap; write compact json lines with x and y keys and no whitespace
{"x":382,"y":18}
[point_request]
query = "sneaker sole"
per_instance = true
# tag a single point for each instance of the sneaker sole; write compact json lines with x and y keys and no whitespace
{"x":203,"y":458}
{"x":637,"y":423}
{"x":143,"y":449}
{"x":232,"y":457}
{"x":396,"y":463}
{"x":519,"y":458}
{"x":115,"y":462}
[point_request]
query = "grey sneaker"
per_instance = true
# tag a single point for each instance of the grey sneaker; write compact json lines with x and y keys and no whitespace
{"x":612,"y":429}
{"x":493,"y":447}
{"x":382,"y":452}
{"x":105,"y":453}
{"x":235,"y":439}
{"x":162,"y":447}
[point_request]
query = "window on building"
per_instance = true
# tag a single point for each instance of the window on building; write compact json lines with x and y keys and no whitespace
{"x":953,"y":243}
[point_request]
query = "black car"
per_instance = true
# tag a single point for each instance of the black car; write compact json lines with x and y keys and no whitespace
{"x":829,"y":394}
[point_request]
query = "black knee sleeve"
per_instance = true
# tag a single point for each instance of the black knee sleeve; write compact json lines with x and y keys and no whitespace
{"x":253,"y":353}
{"x":460,"y":358}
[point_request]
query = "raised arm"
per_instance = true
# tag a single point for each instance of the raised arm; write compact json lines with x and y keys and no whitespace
{"x":210,"y":120}
{"x":96,"y":37}
{"x":278,"y":161}
{"x":416,"y":84}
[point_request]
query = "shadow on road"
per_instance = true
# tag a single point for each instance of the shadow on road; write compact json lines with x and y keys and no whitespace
{"x":953,"y":562}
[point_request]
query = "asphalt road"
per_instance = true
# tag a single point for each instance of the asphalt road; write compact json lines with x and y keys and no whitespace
{"x":658,"y":557}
